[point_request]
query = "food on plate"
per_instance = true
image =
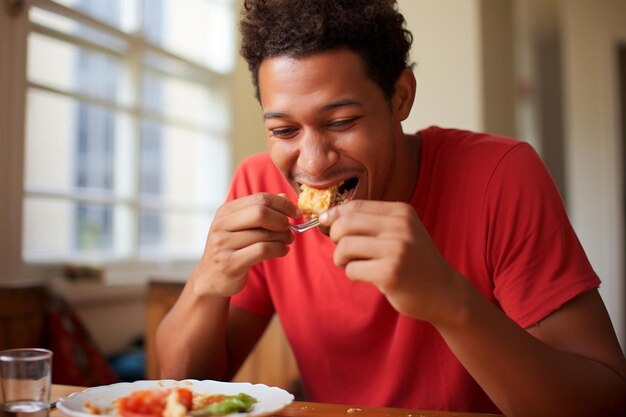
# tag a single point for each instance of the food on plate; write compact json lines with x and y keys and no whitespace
{"x":314,"y":201}
{"x":156,"y":403}
{"x":219,"y":405}
{"x":91,"y":408}
{"x":177,"y":402}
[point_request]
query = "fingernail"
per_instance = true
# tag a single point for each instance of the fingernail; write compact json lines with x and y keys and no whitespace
{"x":324,"y":217}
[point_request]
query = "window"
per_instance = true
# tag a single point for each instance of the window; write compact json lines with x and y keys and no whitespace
{"x":127,"y":126}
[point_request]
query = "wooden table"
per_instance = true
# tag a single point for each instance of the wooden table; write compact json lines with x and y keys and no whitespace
{"x":302,"y":409}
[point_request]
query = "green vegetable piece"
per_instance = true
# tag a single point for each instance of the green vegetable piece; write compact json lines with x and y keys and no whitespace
{"x":230,"y":404}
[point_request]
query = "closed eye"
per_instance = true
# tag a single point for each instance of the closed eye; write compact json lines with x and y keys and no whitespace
{"x":342,"y":123}
{"x":284,"y":132}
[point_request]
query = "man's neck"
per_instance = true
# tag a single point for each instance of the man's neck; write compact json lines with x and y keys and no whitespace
{"x":408,"y":167}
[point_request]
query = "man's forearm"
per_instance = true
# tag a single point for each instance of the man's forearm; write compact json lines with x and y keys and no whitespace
{"x":191,"y":339}
{"x":525,"y":376}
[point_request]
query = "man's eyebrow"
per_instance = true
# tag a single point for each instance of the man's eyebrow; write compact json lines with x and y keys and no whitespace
{"x":327,"y":107}
{"x":274,"y":115}
{"x":341,"y":103}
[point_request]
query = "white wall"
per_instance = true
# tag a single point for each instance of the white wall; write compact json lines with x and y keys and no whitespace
{"x":591,"y":32}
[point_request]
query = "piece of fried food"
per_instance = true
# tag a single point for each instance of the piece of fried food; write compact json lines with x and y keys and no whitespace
{"x":314,"y":201}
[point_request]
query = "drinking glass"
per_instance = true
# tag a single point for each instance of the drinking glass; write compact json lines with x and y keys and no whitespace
{"x":25,"y":376}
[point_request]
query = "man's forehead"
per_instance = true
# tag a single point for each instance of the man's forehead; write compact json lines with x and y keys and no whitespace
{"x":329,"y":80}
{"x":325,"y":64}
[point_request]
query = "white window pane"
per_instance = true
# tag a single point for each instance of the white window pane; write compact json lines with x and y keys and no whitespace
{"x":72,"y":146}
{"x":62,"y":229}
{"x":93,"y":228}
{"x":172,"y":235}
{"x":194,"y":168}
{"x":48,"y":226}
{"x":218,"y":175}
{"x":51,"y":128}
{"x":70,"y":68}
{"x":69,"y":26}
{"x":185,"y":100}
{"x":122,"y":14}
{"x":202,"y":30}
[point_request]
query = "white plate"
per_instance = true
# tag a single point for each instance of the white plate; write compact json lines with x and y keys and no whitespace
{"x":270,"y":399}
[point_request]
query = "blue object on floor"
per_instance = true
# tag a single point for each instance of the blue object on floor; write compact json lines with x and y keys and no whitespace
{"x":130,"y":366}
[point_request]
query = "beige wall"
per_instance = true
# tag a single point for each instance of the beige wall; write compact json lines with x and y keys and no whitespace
{"x":591,"y":32}
{"x":497,"y":54}
{"x":446,"y":50}
{"x":248,"y":132}
{"x":465,"y":69}
{"x":539,"y":68}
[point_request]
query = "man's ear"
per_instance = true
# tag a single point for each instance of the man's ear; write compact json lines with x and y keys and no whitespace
{"x":404,"y":94}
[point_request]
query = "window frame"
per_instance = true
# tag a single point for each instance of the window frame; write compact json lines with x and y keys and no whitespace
{"x":14,"y":85}
{"x":13,"y":37}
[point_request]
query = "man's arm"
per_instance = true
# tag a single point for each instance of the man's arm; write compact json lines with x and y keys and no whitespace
{"x":202,"y":336}
{"x":568,"y":365}
{"x":572,"y":366}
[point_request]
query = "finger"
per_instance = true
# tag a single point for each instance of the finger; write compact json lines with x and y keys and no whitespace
{"x":277,"y":202}
{"x":239,"y":240}
{"x":387,"y":208}
{"x":368,"y":224}
{"x":353,"y":248}
{"x":255,"y":216}
{"x":251,"y":255}
{"x":368,"y":270}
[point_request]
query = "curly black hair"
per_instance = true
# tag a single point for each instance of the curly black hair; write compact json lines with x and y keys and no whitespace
{"x":374,"y":29}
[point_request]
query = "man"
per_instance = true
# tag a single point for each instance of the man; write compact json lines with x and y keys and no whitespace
{"x":451,"y":280}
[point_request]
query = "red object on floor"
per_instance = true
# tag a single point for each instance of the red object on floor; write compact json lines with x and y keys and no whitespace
{"x":76,"y":359}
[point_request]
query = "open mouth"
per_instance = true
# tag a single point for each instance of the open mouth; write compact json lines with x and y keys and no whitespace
{"x":348,"y":186}
{"x":314,"y":201}
{"x":345,"y":191}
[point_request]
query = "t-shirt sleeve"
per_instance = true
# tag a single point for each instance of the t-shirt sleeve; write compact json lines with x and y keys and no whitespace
{"x":255,"y":296}
{"x":537,"y":262}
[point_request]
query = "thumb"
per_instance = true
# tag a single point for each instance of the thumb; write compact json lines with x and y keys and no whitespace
{"x":329,"y":216}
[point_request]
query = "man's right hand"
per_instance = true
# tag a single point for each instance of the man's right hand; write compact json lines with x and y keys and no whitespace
{"x":244,"y":232}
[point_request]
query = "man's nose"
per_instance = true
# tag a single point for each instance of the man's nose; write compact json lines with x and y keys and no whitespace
{"x":316,"y":154}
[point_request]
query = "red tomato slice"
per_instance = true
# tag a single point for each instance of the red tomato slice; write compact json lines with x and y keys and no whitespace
{"x":151,"y":403}
{"x":185,"y":397}
{"x":213,"y":399}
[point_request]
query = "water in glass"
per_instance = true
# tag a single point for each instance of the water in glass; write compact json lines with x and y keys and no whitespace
{"x":24,"y":409}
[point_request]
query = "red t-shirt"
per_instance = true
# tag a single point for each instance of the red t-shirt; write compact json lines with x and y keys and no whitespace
{"x":493,"y":211}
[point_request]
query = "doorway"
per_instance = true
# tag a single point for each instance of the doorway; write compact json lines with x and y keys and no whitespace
{"x":621,"y":62}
